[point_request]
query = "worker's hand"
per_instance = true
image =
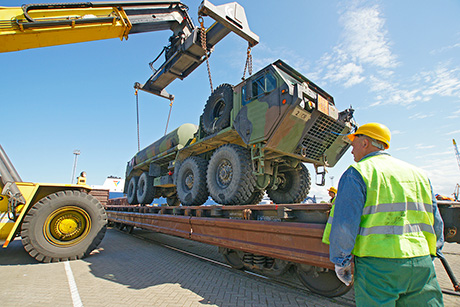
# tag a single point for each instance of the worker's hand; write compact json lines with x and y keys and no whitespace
{"x":344,"y":274}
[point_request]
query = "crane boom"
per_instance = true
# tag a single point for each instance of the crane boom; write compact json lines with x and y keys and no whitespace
{"x":457,"y":154}
{"x":43,"y":25}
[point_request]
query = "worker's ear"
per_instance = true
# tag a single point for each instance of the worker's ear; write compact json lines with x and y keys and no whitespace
{"x":365,"y":142}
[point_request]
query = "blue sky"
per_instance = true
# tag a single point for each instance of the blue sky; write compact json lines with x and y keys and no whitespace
{"x":395,"y":62}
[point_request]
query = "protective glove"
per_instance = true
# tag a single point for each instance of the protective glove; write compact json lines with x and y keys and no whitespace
{"x":344,"y":274}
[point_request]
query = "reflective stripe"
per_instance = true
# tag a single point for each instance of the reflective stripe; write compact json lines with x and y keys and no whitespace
{"x":396,"y":230}
{"x":329,"y":220}
{"x":398,"y":207}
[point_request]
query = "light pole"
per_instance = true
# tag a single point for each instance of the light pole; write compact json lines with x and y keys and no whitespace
{"x":332,"y":180}
{"x":76,"y":152}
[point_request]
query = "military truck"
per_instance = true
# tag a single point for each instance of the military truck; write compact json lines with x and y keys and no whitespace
{"x":252,"y":137}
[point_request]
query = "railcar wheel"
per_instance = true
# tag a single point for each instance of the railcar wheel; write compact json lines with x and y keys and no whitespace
{"x":145,"y":191}
{"x":230,"y":179}
{"x":131,"y":195}
{"x":321,"y":281}
{"x":191,"y":182}
{"x":232,"y":257}
{"x":293,"y":187}
{"x":62,"y":226}
{"x":216,"y":113}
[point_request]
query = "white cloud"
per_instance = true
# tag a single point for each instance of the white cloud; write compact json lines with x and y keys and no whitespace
{"x":443,"y":82}
{"x":422,"y":146}
{"x":453,"y":132}
{"x":365,"y":37}
{"x":364,"y":45}
{"x":420,"y":116}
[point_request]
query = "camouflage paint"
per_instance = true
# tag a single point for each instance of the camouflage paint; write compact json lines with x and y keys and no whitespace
{"x":180,"y":136}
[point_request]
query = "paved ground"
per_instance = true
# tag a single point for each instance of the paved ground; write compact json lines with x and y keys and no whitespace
{"x":131,"y":271}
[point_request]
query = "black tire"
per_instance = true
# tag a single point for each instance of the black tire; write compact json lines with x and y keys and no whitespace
{"x":294,"y":187}
{"x":145,"y":191}
{"x":131,"y":194}
{"x":191,"y":182}
{"x":66,"y":225}
{"x":173,"y":201}
{"x":230,"y":179}
{"x":256,"y":197}
{"x":216,"y":113}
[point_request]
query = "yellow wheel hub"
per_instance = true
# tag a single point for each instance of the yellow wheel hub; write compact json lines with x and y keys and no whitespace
{"x":67,"y":226}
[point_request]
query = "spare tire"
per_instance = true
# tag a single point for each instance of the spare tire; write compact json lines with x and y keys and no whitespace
{"x":216,"y":113}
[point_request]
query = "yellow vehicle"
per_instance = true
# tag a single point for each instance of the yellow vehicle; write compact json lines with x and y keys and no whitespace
{"x":56,"y":221}
{"x":61,"y":221}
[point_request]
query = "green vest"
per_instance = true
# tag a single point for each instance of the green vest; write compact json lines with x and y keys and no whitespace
{"x":327,"y":230}
{"x":397,"y":219}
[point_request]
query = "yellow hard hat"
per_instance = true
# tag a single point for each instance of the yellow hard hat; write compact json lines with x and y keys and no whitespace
{"x":332,"y":189}
{"x":376,"y":131}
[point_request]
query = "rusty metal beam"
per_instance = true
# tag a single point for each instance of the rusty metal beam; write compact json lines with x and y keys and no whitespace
{"x":290,"y":241}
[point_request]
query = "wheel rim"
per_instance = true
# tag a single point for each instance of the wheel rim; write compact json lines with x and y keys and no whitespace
{"x":218,"y":109}
{"x":224,"y":174}
{"x":67,"y":226}
{"x":188,"y":182}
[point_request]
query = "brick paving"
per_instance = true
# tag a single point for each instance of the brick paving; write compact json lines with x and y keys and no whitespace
{"x":129,"y":271}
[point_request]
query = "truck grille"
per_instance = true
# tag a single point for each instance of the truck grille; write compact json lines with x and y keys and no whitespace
{"x":320,"y":137}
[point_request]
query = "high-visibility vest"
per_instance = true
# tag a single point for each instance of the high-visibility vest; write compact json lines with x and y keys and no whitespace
{"x":397,"y":219}
{"x":327,"y":230}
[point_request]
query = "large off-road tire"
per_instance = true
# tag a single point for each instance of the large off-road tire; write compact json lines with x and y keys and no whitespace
{"x":173,"y":200}
{"x":230,"y":179}
{"x":131,"y":194}
{"x":66,"y":225}
{"x":191,"y":182}
{"x":145,"y":191}
{"x":294,"y":187}
{"x":256,"y":197}
{"x":216,"y":113}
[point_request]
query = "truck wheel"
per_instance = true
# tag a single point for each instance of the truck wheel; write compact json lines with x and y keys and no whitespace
{"x":145,"y":191}
{"x":131,"y":195}
{"x":230,"y":179}
{"x":191,"y":182}
{"x":216,"y":113}
{"x":256,"y":197}
{"x":66,"y":225}
{"x":173,"y":201}
{"x":294,"y":186}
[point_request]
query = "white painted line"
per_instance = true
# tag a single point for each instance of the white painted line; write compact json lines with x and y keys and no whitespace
{"x":73,"y":286}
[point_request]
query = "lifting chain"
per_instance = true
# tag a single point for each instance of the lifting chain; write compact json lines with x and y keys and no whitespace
{"x":203,"y":45}
{"x":248,"y":64}
{"x":137,"y":112}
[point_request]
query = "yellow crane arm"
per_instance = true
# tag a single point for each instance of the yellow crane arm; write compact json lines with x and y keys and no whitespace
{"x":41,"y":26}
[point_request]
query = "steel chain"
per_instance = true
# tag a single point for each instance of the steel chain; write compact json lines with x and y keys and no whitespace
{"x":203,"y":45}
{"x":248,"y":64}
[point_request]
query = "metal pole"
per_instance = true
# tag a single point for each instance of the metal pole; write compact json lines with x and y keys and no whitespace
{"x":9,"y":166}
{"x":76,"y":152}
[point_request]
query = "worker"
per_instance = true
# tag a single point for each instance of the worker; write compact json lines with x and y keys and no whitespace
{"x":385,"y":215}
{"x":82,"y":178}
{"x":332,"y":193}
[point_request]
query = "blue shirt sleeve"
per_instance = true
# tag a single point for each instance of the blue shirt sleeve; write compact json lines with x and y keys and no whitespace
{"x":349,"y":204}
{"x":438,"y":223}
